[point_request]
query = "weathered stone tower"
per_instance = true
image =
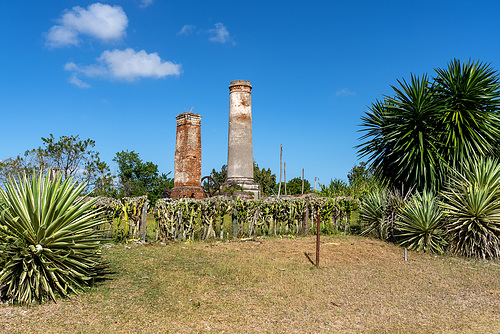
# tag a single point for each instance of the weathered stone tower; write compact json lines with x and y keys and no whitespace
{"x":187,"y":177}
{"x":240,"y":147}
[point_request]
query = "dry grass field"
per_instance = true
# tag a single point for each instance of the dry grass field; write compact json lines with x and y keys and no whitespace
{"x":269,"y":286}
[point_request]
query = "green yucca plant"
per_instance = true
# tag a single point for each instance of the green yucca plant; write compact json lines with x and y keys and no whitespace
{"x":372,"y":214}
{"x":472,"y":202}
{"x":420,"y":224}
{"x":379,"y":211}
{"x":49,"y":241}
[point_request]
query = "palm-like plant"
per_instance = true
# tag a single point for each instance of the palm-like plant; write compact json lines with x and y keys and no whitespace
{"x":472,"y":202}
{"x":404,"y":146}
{"x":49,"y":244}
{"x":469,"y":96}
{"x":420,"y":224}
{"x":413,"y":137}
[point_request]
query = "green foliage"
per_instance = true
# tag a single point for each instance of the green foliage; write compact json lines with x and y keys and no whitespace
{"x":294,"y":186}
{"x":372,"y":215}
{"x":380,"y":210}
{"x":220,"y":176}
{"x":337,"y":187}
{"x":264,"y":177}
{"x":412,"y":137}
{"x":70,"y":156}
{"x":421,"y":224}
{"x":472,"y":202}
{"x":139,"y":178}
{"x":49,"y":244}
{"x":362,"y":180}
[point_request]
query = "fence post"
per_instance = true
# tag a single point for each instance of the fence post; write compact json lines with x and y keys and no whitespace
{"x":305,"y":221}
{"x":235,"y":223}
{"x":144,"y":218}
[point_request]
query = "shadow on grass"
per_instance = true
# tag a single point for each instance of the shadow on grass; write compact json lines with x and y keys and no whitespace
{"x":309,"y":258}
{"x":103,"y":273}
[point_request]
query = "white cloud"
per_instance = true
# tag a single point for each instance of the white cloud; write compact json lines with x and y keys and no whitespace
{"x":104,"y":22}
{"x":146,"y":3}
{"x":344,"y":92}
{"x":219,"y":34}
{"x":186,"y":29}
{"x":77,"y":82}
{"x":60,"y":36}
{"x":127,"y":65}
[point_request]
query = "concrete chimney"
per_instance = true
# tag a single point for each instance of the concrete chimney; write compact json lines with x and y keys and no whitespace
{"x":187,"y":169}
{"x":240,"y":146}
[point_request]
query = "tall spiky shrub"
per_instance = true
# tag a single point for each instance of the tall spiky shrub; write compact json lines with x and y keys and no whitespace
{"x":49,"y":244}
{"x":421,"y":224}
{"x":380,"y":210}
{"x":472,"y":202}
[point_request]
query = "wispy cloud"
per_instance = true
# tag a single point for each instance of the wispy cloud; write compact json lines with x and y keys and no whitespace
{"x":345,"y":92}
{"x":127,"y":65}
{"x":146,"y":3}
{"x":77,"y":82}
{"x":219,"y":34}
{"x":186,"y":29}
{"x":104,"y":22}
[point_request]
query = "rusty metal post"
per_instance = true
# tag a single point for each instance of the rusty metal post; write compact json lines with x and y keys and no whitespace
{"x":318,"y":229}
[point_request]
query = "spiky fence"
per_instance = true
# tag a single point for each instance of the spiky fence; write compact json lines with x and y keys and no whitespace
{"x":125,"y":216}
{"x":222,"y":217}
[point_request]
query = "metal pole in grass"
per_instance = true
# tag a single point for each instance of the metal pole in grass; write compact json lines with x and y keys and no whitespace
{"x":318,"y":225}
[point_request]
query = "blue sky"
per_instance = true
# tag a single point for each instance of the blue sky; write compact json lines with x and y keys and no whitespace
{"x":119,"y":72}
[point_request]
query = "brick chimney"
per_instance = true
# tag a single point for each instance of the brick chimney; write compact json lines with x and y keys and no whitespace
{"x":187,"y":170}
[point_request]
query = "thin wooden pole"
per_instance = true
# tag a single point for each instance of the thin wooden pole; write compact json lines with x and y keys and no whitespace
{"x":302,"y":181}
{"x":315,"y":179}
{"x":284,"y":174}
{"x":281,"y":171}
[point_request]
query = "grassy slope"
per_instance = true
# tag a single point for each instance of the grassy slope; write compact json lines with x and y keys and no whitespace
{"x":269,"y":286}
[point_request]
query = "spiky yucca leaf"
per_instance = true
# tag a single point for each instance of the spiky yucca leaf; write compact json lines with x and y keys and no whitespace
{"x":420,"y":224}
{"x":49,"y":244}
{"x":472,"y":200}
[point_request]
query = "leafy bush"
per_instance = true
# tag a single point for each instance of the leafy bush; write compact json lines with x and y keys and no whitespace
{"x":472,"y":201}
{"x":420,"y":224}
{"x":49,"y":242}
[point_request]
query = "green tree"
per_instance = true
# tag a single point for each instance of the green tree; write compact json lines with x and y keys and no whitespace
{"x":139,"y":178}
{"x":337,"y":187}
{"x":72,"y":156}
{"x":413,"y":137}
{"x":294,"y":186}
{"x":361,"y":180}
{"x":264,"y":177}
{"x":220,"y":176}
